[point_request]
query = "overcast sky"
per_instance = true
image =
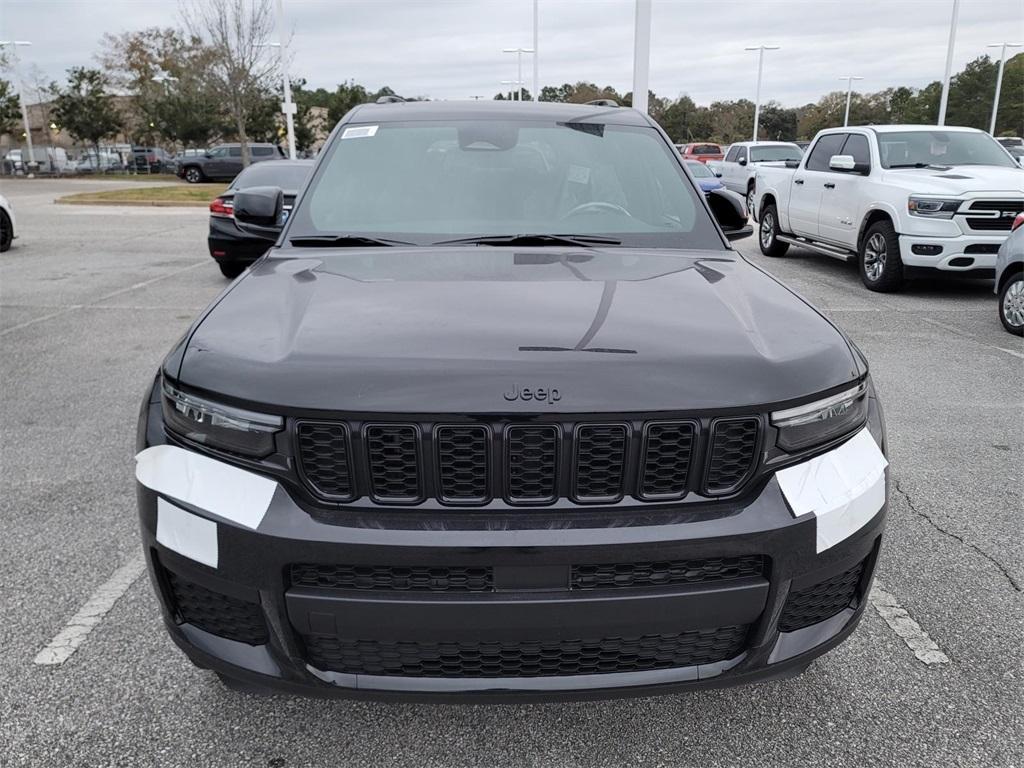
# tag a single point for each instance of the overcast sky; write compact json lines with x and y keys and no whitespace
{"x":451,"y":49}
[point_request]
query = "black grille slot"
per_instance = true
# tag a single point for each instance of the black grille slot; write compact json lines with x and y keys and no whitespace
{"x":666,"y":572}
{"x":394,"y":578}
{"x":532,"y":456}
{"x":600,"y":462}
{"x":393,"y":452}
{"x":324,"y":458}
{"x":462,"y":463}
{"x":542,"y":658}
{"x":215,"y":613}
{"x":1006,"y":209}
{"x":665,"y":465}
{"x":732,"y":454}
{"x":821,"y":601}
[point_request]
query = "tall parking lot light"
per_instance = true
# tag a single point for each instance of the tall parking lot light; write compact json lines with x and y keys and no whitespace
{"x":21,"y":97}
{"x":949,"y":63}
{"x":519,"y":62}
{"x":760,"y":69}
{"x":641,"y":54}
{"x":536,"y":76}
{"x":999,"y":80}
{"x":849,"y":92}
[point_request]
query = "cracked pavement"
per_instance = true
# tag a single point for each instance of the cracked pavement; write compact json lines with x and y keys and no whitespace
{"x":90,"y":301}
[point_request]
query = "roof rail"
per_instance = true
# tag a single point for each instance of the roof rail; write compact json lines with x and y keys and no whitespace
{"x":603,"y":103}
{"x":391,"y":99}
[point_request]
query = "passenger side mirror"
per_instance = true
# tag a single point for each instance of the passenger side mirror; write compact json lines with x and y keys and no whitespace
{"x":742,"y":161}
{"x":842,"y":163}
{"x":718,"y":174}
{"x":730,"y":211}
{"x":258,"y":211}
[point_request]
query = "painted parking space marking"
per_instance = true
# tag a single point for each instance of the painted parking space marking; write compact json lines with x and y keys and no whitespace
{"x":900,"y":622}
{"x":73,"y":634}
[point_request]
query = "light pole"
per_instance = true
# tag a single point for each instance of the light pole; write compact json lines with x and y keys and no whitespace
{"x":641,"y":54}
{"x":519,"y":60}
{"x":536,"y":77}
{"x":287,"y":106}
{"x":760,"y":69}
{"x":999,"y":79}
{"x":849,"y":92}
{"x":518,"y":84}
{"x":949,"y":63}
{"x":21,"y":97}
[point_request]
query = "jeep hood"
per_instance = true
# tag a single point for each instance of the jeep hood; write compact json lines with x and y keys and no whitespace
{"x":428,"y":330}
{"x":958,"y":180}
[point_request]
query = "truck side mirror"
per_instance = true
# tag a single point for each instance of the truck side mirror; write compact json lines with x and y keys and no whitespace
{"x":742,"y":161}
{"x":842,"y":163}
{"x":258,"y":211}
{"x":730,"y":211}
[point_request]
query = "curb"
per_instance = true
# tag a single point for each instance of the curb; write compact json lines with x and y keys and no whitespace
{"x":135,"y":203}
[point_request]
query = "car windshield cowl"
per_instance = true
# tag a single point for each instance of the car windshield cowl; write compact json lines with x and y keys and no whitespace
{"x":345,"y":241}
{"x":524,"y":240}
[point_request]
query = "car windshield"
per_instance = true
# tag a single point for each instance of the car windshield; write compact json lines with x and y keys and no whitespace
{"x":287,"y":176}
{"x":429,"y":181}
{"x":919,"y":149}
{"x":775,"y":153}
{"x":699,"y":170}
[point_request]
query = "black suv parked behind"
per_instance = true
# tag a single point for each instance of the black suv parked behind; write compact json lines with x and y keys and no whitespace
{"x":223,"y":162}
{"x":502,"y":414}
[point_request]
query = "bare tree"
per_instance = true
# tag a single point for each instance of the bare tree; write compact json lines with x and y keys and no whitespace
{"x":241,"y":67}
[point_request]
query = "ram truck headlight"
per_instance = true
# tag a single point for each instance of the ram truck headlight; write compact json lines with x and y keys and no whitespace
{"x":224,"y":427}
{"x":932,"y":207}
{"x":822,"y":421}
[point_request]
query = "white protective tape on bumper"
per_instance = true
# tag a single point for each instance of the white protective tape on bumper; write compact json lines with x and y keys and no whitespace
{"x":844,"y":488}
{"x":229,"y":492}
{"x":190,"y":535}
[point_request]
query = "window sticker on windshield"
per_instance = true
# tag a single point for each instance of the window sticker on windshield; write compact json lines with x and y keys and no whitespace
{"x":359,"y":132}
{"x":579,"y":174}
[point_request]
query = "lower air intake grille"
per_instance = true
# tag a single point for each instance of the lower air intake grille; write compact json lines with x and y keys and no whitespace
{"x":732,"y":455}
{"x":394,"y":578}
{"x":542,"y":658}
{"x":821,"y":601}
{"x":532,"y":461}
{"x":324,"y":458}
{"x":393,"y":452}
{"x":218,"y":614}
{"x":655,"y":574}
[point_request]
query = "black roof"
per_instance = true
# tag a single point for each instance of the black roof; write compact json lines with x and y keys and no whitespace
{"x":495,"y":110}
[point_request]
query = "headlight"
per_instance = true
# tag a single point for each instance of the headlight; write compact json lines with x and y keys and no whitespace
{"x":823,"y":420}
{"x":219,"y":426}
{"x":932,"y":207}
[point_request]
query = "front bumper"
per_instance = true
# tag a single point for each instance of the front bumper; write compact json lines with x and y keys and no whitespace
{"x":549,"y":613}
{"x":962,"y":253}
{"x":230,"y":245}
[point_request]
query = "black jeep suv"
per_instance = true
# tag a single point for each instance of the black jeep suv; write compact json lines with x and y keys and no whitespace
{"x":502,"y":415}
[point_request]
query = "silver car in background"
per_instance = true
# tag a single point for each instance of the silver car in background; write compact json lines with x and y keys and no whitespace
{"x":1010,"y":279}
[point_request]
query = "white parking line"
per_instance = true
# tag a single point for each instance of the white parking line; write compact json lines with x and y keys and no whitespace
{"x":60,"y":649}
{"x":900,"y":622}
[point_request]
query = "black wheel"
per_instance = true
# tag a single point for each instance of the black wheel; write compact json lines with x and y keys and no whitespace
{"x":6,"y":232}
{"x":768,"y":233}
{"x":229,"y":269}
{"x":193,"y":175}
{"x":881,"y":268}
{"x":1011,"y":304}
{"x":750,"y":198}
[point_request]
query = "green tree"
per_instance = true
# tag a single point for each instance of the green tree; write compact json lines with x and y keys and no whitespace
{"x":10,"y":107}
{"x":84,"y":108}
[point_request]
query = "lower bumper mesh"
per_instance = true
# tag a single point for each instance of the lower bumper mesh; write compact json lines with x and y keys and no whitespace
{"x":821,"y":601}
{"x":215,"y":613}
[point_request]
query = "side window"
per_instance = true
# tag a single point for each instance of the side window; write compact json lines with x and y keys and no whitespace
{"x":857,"y":146}
{"x":219,"y":152}
{"x":235,"y":151}
{"x":263,"y":151}
{"x":823,"y":150}
{"x":741,"y":154}
{"x":731,"y":156}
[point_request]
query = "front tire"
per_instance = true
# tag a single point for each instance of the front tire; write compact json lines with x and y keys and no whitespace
{"x":6,"y":232}
{"x":750,"y":199}
{"x":881,"y":267}
{"x":768,"y":233}
{"x":1011,"y":304}
{"x":193,"y":175}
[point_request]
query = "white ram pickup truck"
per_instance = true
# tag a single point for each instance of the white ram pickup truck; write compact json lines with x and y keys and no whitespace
{"x":894,"y":197}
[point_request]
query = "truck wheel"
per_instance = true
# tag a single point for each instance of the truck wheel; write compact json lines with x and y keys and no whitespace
{"x":6,"y":232}
{"x":750,"y":199}
{"x":193,"y":175}
{"x":881,"y":268}
{"x":1011,"y":304}
{"x":768,"y":233}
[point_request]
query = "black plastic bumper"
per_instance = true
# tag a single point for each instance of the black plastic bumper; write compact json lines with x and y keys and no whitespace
{"x":530,"y":611}
{"x":230,"y":245}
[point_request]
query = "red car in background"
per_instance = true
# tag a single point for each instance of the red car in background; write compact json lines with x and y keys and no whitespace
{"x":701,"y":152}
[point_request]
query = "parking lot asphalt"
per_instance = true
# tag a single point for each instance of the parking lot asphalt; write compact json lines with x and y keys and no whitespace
{"x":92,"y":298}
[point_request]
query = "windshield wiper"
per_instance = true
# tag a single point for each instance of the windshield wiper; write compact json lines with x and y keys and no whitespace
{"x":344,"y":241}
{"x":587,"y":241}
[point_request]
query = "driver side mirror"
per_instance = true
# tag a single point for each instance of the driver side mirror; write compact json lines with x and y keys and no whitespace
{"x":742,"y":161}
{"x":718,"y":174}
{"x":847,"y":164}
{"x":258,"y":211}
{"x":730,"y":211}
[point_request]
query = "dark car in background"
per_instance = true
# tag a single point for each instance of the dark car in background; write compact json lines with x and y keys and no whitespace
{"x":223,"y":162}
{"x":234,"y":248}
{"x":151,"y":160}
{"x":503,"y":414}
{"x":706,"y":178}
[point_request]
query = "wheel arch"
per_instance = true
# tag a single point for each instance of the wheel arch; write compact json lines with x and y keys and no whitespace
{"x":873,"y":216}
{"x":1012,"y":269}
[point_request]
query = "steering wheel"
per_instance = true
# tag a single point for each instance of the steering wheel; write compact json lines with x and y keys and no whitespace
{"x":597,"y":205}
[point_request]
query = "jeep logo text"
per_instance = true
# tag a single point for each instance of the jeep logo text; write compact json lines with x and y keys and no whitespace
{"x":537,"y":394}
